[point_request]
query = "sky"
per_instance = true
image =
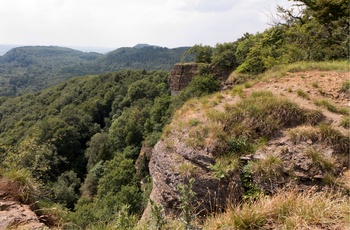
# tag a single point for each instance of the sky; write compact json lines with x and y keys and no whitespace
{"x":117,"y":23}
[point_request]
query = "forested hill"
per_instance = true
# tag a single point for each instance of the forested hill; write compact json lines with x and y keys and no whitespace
{"x":31,"y":68}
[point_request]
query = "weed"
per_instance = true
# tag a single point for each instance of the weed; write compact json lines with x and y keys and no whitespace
{"x":167,"y":130}
{"x":240,"y":146}
{"x":186,"y":197}
{"x":224,"y":167}
{"x":169,"y":143}
{"x":124,"y":220}
{"x":329,"y":179}
{"x":251,"y":190}
{"x":305,"y":66}
{"x":157,"y":218}
{"x":28,"y":190}
{"x":314,"y":117}
{"x":196,"y":136}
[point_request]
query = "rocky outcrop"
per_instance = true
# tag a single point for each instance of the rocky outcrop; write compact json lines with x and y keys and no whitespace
{"x":182,"y":74}
{"x":302,"y":154}
{"x":13,"y":213}
{"x":176,"y":164}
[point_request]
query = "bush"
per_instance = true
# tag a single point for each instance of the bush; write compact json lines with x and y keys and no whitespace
{"x":198,"y":87}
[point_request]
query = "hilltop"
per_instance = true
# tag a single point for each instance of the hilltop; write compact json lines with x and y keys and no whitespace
{"x":32,"y":68}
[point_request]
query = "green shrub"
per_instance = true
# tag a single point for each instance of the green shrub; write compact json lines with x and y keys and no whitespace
{"x":186,"y":197}
{"x":240,"y":146}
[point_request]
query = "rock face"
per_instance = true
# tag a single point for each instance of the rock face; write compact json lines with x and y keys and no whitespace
{"x":171,"y":166}
{"x":182,"y":74}
{"x":14,"y":214}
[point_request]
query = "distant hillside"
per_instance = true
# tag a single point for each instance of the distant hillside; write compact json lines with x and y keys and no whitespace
{"x":146,"y":57}
{"x":28,"y":69}
{"x":31,"y":68}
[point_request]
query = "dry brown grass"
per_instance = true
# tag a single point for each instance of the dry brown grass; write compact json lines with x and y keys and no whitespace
{"x":288,"y":210}
{"x":304,"y":133}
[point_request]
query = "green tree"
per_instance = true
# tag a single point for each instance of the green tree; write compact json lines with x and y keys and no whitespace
{"x":98,"y":149}
{"x":203,"y":54}
{"x":66,"y":189}
{"x":224,"y":56}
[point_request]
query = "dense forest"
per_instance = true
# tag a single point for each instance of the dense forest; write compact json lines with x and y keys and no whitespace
{"x":76,"y":140}
{"x":29,"y":69}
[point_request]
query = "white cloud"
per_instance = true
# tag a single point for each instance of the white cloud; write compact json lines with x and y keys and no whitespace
{"x":116,"y":23}
{"x":203,"y":5}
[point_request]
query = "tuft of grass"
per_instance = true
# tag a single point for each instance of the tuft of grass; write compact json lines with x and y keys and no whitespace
{"x":238,"y":90}
{"x":194,"y":122}
{"x":303,"y":94}
{"x":319,"y":159}
{"x":287,"y":210}
{"x":266,"y":113}
{"x":188,"y":170}
{"x":306,"y":66}
{"x":345,"y":87}
{"x":345,"y":122}
{"x":28,"y":186}
{"x":270,"y":167}
{"x":331,"y":107}
{"x":339,"y":141}
{"x":304,"y":133}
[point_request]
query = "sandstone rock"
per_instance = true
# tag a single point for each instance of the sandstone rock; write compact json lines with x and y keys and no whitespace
{"x":14,"y":215}
{"x":182,"y":74}
{"x":167,"y":173}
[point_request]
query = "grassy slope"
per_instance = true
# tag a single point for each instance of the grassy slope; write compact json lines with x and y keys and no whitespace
{"x":288,"y":209}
